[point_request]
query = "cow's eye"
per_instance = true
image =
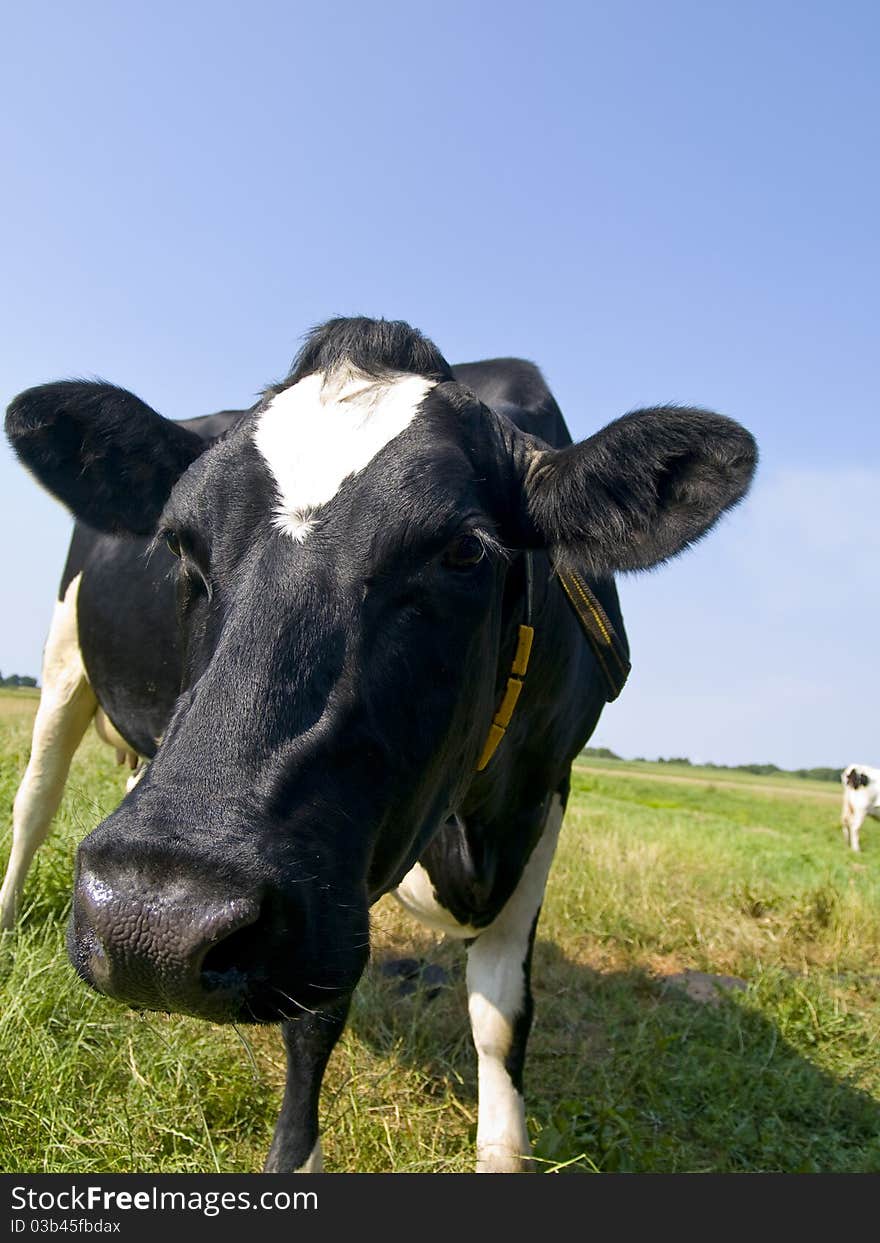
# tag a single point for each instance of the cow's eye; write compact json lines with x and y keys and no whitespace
{"x":173,"y":543}
{"x":464,"y":552}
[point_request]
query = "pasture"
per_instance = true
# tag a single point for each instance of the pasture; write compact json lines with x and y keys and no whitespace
{"x":637,"y":1061}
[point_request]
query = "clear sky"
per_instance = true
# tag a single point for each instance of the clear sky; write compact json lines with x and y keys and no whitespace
{"x":655,"y":202}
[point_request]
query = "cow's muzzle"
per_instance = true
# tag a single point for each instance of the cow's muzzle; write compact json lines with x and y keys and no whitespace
{"x":170,"y":943}
{"x":152,"y":953}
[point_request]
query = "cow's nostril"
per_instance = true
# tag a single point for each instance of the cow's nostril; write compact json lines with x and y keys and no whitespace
{"x":233,"y":961}
{"x":147,"y":950}
{"x":239,"y":917}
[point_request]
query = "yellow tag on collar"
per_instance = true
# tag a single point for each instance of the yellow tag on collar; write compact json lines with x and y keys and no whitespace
{"x":502,"y":717}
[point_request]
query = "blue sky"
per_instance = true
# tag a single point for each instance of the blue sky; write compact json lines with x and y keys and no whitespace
{"x":670,"y":202}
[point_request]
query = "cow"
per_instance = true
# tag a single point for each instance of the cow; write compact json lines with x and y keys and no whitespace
{"x":361,"y":636}
{"x":861,"y":798}
{"x":98,"y":629}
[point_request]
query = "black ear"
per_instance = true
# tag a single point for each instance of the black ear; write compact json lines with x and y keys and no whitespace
{"x":639,"y":491}
{"x":101,"y":451}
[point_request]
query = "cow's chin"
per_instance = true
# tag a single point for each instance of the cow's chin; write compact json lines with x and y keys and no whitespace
{"x":274,"y":1003}
{"x":221,"y":992}
{"x":255,"y":1010}
{"x":224,"y":1002}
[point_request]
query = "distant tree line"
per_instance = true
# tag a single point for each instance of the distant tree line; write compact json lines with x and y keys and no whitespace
{"x":17,"y":679}
{"x":760,"y":770}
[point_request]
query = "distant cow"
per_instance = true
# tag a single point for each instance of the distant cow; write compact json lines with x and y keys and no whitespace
{"x":363,"y":634}
{"x":861,"y":798}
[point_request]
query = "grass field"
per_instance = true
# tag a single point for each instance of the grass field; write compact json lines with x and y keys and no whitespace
{"x":637,"y":1062}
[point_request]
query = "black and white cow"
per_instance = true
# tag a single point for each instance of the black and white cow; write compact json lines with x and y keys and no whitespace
{"x":861,"y":798}
{"x":359,"y":563}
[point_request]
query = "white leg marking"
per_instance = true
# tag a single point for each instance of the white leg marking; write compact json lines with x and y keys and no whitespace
{"x":314,"y":1163}
{"x":323,"y":429}
{"x":496,"y":995}
{"x":856,"y":806}
{"x":855,"y":823}
{"x":67,"y":704}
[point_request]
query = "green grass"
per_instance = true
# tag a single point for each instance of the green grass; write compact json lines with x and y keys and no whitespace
{"x":658,"y":873}
{"x":781,"y":781}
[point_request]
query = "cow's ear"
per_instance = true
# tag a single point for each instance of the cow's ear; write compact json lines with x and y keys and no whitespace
{"x":101,"y":451}
{"x":639,"y":491}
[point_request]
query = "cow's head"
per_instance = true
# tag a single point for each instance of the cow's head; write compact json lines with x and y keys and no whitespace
{"x":342,"y":557}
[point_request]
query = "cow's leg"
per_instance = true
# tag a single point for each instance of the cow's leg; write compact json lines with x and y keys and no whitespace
{"x":67,"y":704}
{"x":856,"y":818}
{"x":309,"y":1040}
{"x":500,"y":1005}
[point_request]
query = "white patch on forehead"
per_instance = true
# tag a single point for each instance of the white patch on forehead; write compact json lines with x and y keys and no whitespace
{"x":322,"y":430}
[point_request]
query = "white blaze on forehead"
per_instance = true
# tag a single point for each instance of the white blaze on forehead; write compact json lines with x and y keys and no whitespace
{"x":324,"y":429}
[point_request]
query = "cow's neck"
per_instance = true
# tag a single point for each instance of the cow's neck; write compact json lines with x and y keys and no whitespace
{"x":518,"y":669}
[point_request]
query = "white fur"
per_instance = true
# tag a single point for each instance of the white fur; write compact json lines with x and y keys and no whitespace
{"x":416,"y":894}
{"x":320,"y":431}
{"x":859,"y":803}
{"x":67,"y":704}
{"x":496,"y":993}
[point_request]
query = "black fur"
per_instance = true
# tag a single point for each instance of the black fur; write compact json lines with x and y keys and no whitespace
{"x":126,"y":610}
{"x":515,"y":1061}
{"x":373,"y":346}
{"x":322,"y":705}
{"x":309,"y":1040}
{"x":855,"y":779}
{"x":101,"y":450}
{"x":683,"y":469}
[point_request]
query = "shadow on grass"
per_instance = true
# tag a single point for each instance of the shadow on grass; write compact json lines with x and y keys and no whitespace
{"x":626,"y":1073}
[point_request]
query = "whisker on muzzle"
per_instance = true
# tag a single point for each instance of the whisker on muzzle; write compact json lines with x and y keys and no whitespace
{"x":287,"y":997}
